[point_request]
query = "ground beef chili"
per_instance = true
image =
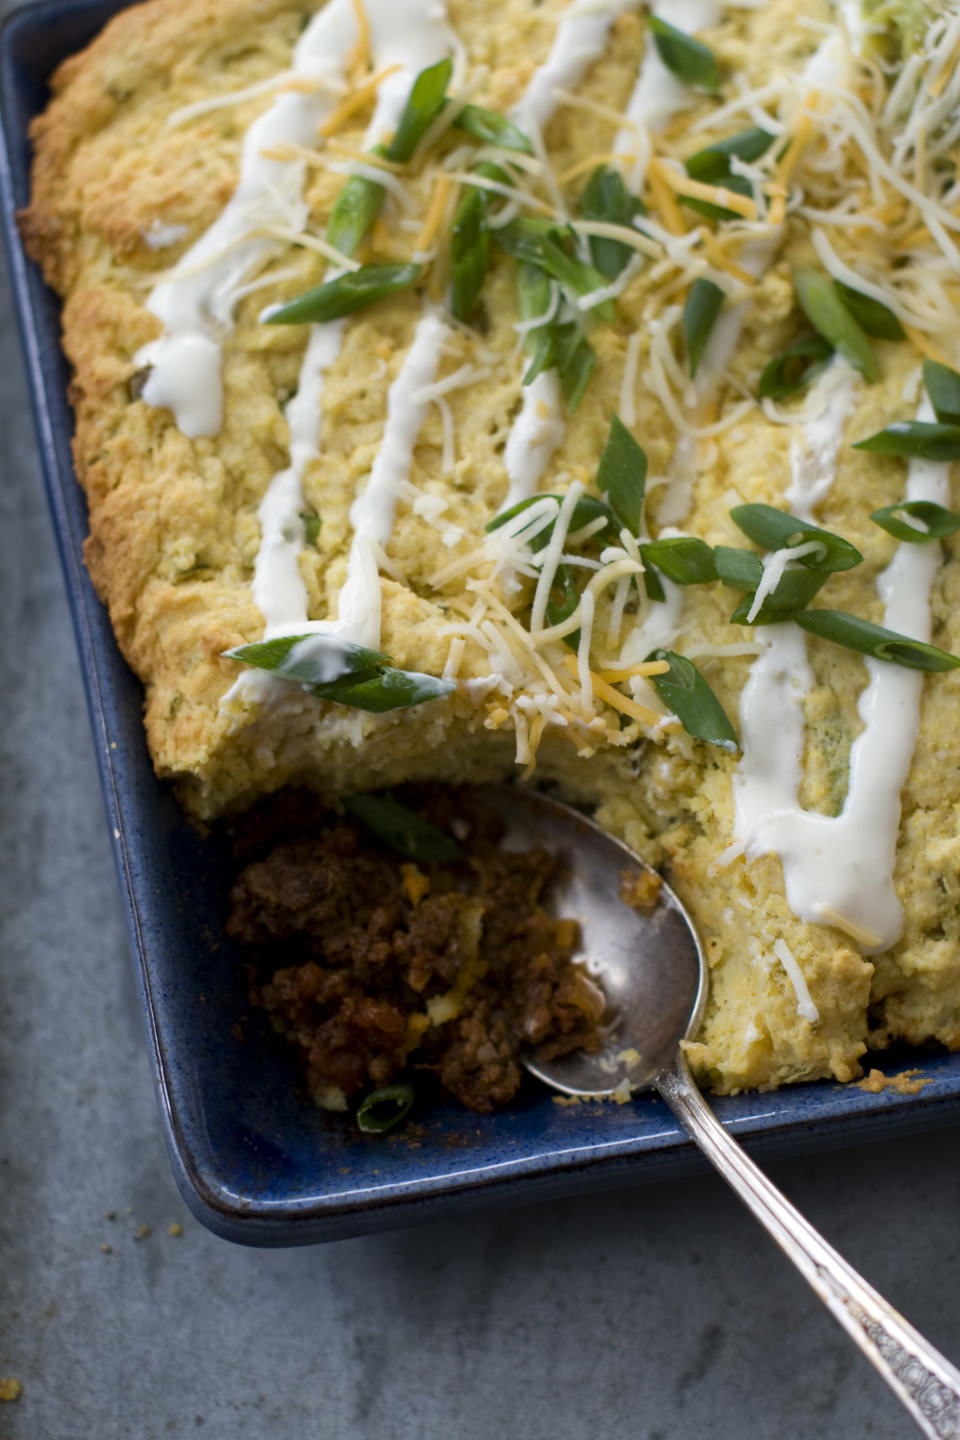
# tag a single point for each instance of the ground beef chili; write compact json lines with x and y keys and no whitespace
{"x":375,"y":967}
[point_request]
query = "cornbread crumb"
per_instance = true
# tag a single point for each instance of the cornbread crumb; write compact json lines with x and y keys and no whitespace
{"x":175,"y":1229}
{"x":10,"y":1388}
{"x":905,"y":1083}
{"x":142,"y":1232}
{"x":640,"y":889}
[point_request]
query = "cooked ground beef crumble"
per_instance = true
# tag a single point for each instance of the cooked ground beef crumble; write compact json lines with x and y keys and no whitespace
{"x":374,"y":967}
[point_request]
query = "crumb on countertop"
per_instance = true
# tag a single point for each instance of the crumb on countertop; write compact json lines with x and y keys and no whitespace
{"x":175,"y":1229}
{"x":10,"y":1389}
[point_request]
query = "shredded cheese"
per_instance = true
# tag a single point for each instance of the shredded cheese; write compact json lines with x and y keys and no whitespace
{"x":356,"y":100}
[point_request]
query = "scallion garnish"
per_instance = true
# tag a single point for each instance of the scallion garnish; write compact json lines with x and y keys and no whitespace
{"x":622,"y":476}
{"x":533,"y":301}
{"x":311,"y":527}
{"x":576,"y":360}
{"x":470,"y":245}
{"x":383,"y":1109}
{"x":777,"y":530}
{"x":743,"y":570}
{"x":574,"y":276}
{"x":585,"y":511}
{"x":936,"y":520}
{"x":872,"y":316}
{"x":682,"y":558}
{"x":360,"y":199}
{"x":712,"y":165}
{"x":794,"y":368}
{"x":740,"y":569}
{"x":355,"y":209}
{"x":403,"y":829}
{"x":699,"y":317}
{"x":561,"y":609}
{"x":605,"y":197}
{"x":690,"y":60}
{"x":856,"y":634}
{"x":943,"y":387}
{"x":830,"y":317}
{"x":684,"y":691}
{"x":346,"y":295}
{"x":791,"y":594}
{"x":427,"y":97}
{"x":343,"y":673}
{"x":915,"y":439}
{"x":492,"y":129}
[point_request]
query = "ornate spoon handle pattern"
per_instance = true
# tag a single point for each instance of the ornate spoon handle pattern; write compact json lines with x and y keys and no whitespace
{"x":926,"y":1383}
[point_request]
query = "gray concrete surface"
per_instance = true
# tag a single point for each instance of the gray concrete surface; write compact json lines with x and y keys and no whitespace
{"x":660,"y":1313}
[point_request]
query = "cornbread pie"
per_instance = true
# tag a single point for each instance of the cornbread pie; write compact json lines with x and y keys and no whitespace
{"x":551,"y":470}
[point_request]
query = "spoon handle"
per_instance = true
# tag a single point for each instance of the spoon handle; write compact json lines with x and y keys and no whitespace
{"x":926,"y":1383}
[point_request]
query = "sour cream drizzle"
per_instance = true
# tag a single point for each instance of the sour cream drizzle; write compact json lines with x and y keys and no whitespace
{"x":198,"y":298}
{"x":841,"y":868}
{"x":581,"y":39}
{"x":413,"y":35}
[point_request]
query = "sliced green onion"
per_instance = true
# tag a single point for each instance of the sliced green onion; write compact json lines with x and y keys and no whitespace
{"x":791,"y":595}
{"x":682,"y":558}
{"x":492,"y":129}
{"x":622,"y":476}
{"x":713,"y":164}
{"x":366,"y":679}
{"x":355,"y":209}
{"x":585,"y":511}
{"x":690,"y":60}
{"x":830,"y":317}
{"x":523,"y":238}
{"x":776,"y":530}
{"x":736,"y":184}
{"x":316,"y":665}
{"x":856,"y":634}
{"x":402,"y":828}
{"x":684,"y":690}
{"x":346,"y":295}
{"x":311,"y":527}
{"x":943,"y":387}
{"x":915,"y":439}
{"x":427,"y":97}
{"x":575,"y":360}
{"x":390,"y":689}
{"x":562,"y":609}
{"x":872,"y":316}
{"x":937,"y":520}
{"x":653,"y":586}
{"x":574,"y":276}
{"x":470,"y":245}
{"x":360,"y":199}
{"x":795,"y":367}
{"x":383,"y":1109}
{"x":533,"y":302}
{"x":740,"y":569}
{"x":605,"y":197}
{"x":699,"y":317}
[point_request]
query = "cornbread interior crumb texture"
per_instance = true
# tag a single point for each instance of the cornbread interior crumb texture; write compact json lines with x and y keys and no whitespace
{"x":174,"y":531}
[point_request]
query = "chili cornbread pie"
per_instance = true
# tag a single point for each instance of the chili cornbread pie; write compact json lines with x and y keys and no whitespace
{"x":476,"y":387}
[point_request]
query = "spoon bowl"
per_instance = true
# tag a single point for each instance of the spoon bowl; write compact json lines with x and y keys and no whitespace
{"x":645,"y":958}
{"x":648,"y":962}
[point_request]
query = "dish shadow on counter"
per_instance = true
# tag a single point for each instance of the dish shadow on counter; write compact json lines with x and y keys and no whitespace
{"x":255,"y":1161}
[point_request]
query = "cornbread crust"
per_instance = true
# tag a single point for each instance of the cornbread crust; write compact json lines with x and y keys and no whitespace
{"x":174,"y":530}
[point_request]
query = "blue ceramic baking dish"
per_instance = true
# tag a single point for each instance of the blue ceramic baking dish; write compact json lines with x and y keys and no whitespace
{"x":254,"y":1160}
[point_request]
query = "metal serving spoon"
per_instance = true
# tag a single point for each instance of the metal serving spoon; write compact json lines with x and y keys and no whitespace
{"x":650,"y":966}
